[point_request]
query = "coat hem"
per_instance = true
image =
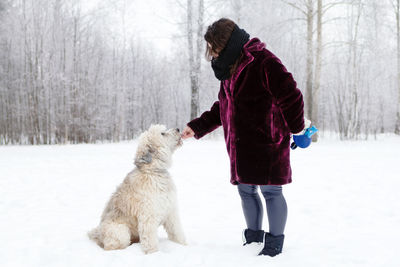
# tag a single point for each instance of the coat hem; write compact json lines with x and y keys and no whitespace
{"x":275,"y":181}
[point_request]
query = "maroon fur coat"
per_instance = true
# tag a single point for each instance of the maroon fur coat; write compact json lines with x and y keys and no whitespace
{"x":258,"y":107}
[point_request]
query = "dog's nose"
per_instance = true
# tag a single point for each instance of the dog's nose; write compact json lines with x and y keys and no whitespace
{"x":177,"y":129}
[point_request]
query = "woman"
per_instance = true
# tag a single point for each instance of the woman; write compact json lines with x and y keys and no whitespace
{"x":259,"y":107}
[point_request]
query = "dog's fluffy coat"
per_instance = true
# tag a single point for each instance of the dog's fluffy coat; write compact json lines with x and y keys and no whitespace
{"x":146,"y":198}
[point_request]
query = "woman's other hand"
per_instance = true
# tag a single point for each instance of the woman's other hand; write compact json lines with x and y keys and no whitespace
{"x":187,"y":133}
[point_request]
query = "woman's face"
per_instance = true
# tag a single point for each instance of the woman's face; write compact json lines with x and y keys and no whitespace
{"x":213,"y":53}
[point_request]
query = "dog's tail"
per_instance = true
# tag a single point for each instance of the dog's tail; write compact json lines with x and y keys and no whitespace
{"x":94,"y":235}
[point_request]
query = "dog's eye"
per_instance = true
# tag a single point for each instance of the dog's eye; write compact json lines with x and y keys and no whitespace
{"x":162,"y":133}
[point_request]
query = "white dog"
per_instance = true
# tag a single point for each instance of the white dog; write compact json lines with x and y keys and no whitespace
{"x":146,"y":198}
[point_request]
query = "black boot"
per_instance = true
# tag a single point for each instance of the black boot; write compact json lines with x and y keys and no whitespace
{"x":272,"y":245}
{"x":250,"y":236}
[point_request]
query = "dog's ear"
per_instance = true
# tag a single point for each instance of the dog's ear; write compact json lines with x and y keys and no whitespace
{"x":144,"y":156}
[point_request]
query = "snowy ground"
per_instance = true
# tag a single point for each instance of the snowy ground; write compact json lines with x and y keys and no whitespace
{"x":344,"y":206}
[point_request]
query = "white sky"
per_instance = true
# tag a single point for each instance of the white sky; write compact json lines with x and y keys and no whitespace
{"x":155,"y":20}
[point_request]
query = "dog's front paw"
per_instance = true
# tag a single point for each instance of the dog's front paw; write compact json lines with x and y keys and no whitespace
{"x":179,"y":240}
{"x":183,"y":242}
{"x":149,"y":250}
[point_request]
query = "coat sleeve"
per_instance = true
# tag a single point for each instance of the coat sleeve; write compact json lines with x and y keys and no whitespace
{"x":207,"y":122}
{"x":284,"y":89}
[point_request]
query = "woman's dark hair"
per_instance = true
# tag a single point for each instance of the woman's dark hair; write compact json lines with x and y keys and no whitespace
{"x":218,"y":35}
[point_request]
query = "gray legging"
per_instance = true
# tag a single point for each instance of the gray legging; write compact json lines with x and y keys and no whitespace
{"x":253,"y":210}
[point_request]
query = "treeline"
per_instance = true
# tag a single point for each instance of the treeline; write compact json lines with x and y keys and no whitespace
{"x":65,"y":77}
{"x":69,"y":76}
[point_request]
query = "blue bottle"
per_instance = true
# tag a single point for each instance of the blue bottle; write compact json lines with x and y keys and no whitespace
{"x":303,"y":140}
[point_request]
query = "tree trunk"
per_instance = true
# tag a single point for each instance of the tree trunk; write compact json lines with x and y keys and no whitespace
{"x":354,"y":121}
{"x":309,"y":67}
{"x":194,"y":59}
{"x":397,"y":11}
{"x":318,"y":67}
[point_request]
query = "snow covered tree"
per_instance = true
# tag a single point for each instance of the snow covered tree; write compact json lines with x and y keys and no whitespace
{"x":194,"y":33}
{"x":396,"y":9}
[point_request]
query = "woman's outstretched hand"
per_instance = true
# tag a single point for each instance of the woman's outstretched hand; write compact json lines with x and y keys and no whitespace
{"x":187,"y":133}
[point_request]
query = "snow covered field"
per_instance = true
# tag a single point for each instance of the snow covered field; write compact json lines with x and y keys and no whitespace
{"x":344,"y":206}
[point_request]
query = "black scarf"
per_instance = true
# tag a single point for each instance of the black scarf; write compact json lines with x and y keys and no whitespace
{"x":231,"y":52}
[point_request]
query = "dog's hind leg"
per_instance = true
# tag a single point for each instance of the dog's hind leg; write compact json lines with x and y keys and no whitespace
{"x":173,"y":228}
{"x":95,"y":235}
{"x":116,"y":236}
{"x":147,"y":228}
